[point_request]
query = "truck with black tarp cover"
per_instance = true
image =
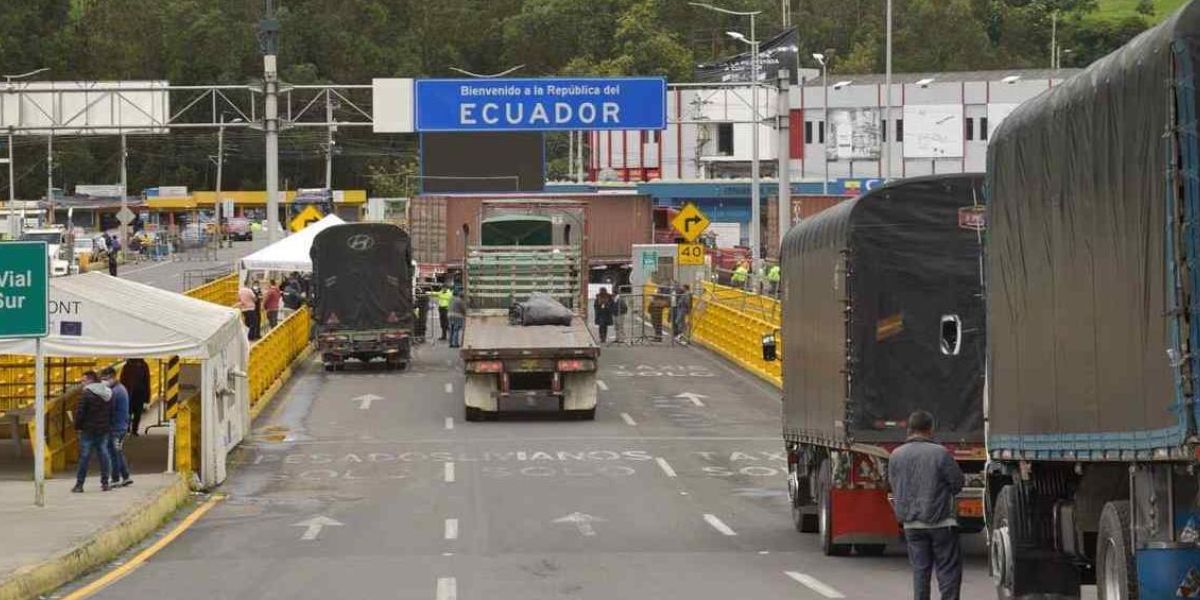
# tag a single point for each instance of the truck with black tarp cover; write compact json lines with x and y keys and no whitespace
{"x":362,"y":297}
{"x":1093,"y":278}
{"x":882,"y":315}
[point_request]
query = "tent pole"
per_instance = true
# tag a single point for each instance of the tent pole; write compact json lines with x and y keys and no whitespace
{"x":39,"y":425}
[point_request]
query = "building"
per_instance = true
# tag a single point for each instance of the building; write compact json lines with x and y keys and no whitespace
{"x":939,"y":123}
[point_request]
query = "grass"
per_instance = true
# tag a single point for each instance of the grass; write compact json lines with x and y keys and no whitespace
{"x":1118,"y":9}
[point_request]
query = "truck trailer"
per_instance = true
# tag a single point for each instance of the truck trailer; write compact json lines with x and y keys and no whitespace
{"x":882,"y":315}
{"x":1093,"y":277}
{"x":527,"y":247}
{"x":362,"y":294}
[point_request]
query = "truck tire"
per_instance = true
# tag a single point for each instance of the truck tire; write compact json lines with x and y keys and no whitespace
{"x":870,"y":549}
{"x":825,"y":512}
{"x":1116,"y":575}
{"x":582,"y":415}
{"x":804,"y":515}
{"x":472,"y":414}
{"x":1022,"y":567}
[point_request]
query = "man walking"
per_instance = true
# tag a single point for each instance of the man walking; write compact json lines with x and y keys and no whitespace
{"x":924,"y":480}
{"x":457,"y":314}
{"x":444,"y":296}
{"x":248,"y":304}
{"x":271,"y":302}
{"x":135,"y":376}
{"x":93,"y":418}
{"x":120,"y":428}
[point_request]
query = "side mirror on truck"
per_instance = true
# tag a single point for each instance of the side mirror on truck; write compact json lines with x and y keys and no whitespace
{"x":769,"y":348}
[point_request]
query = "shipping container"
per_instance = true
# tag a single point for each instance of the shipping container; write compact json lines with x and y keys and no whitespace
{"x":1092,"y":288}
{"x":443,"y":226}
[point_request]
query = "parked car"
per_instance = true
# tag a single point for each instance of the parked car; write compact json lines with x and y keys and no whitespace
{"x":239,"y":229}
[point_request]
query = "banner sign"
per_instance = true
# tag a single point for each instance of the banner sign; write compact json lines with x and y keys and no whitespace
{"x":560,"y":104}
{"x":855,"y":133}
{"x":775,"y":54}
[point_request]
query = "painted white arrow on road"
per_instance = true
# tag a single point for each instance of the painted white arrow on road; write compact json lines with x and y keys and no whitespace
{"x":581,"y":521}
{"x":315,"y":525}
{"x":694,"y":397}
{"x":364,"y":401}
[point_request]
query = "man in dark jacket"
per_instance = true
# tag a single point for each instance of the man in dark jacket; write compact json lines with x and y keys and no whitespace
{"x":925,"y":479}
{"x":93,"y":419}
{"x":120,"y":428}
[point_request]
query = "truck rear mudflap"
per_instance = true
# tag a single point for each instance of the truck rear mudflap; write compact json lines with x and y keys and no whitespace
{"x":531,"y":385}
{"x":395,"y":347}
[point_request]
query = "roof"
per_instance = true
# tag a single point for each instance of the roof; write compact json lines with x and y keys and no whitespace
{"x":292,"y":252}
{"x":948,"y":77}
{"x":121,"y":318}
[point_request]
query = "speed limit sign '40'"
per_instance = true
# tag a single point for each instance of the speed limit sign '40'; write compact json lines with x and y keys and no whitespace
{"x":690,"y":254}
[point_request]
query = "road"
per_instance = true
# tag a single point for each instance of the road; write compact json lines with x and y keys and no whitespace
{"x":370,"y":485}
{"x":169,"y":274}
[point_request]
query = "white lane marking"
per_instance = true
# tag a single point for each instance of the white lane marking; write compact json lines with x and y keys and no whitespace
{"x":628,"y":420}
{"x":694,"y":397}
{"x":603,"y":386}
{"x":718,"y":524}
{"x":452,"y":529}
{"x":666,"y":467}
{"x":449,"y":472}
{"x":449,"y":388}
{"x":364,"y":401}
{"x":449,"y":422}
{"x":814,"y":584}
{"x":447,"y":588}
{"x":314,"y":526}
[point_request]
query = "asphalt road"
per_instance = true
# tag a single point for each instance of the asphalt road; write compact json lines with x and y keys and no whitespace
{"x":169,"y":274}
{"x":370,"y":485}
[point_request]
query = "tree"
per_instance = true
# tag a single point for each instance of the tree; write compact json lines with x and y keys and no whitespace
{"x":1145,"y":7}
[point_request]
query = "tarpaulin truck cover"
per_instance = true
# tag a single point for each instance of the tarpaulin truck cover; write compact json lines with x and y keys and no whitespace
{"x":362,"y":277}
{"x":883,"y":314}
{"x":1090,"y":266}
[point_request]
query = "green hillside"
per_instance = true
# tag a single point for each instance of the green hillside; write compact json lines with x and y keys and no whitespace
{"x":1118,"y":9}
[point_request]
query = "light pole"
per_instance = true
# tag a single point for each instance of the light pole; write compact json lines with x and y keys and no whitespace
{"x":820,"y":58}
{"x":887,"y":111}
{"x":755,"y":209}
{"x":14,"y":225}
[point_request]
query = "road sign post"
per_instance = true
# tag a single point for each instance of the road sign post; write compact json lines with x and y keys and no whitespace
{"x":24,"y":297}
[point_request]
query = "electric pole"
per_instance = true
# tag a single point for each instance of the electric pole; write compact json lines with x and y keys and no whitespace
{"x":329,"y":142}
{"x":220,"y":166}
{"x":50,"y":178}
{"x":124,"y":194}
{"x":269,"y":38}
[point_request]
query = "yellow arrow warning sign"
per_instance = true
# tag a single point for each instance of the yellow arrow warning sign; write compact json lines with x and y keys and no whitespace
{"x":307,"y":217}
{"x":690,"y":222}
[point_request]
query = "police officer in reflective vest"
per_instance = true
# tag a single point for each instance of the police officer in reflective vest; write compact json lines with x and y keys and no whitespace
{"x":444,"y":296}
{"x":740,"y":275}
{"x":773,"y":276}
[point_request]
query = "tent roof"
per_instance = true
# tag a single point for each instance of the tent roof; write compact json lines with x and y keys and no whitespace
{"x":118,"y":317}
{"x":290,"y":253}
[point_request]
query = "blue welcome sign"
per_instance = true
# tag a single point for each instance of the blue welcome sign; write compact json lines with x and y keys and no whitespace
{"x":551,"y":104}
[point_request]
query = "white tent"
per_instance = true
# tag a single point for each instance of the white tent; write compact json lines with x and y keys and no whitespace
{"x":290,"y":253}
{"x":93,"y":314}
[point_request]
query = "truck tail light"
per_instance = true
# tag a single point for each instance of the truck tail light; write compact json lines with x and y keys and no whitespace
{"x":575,"y":364}
{"x":485,"y":366}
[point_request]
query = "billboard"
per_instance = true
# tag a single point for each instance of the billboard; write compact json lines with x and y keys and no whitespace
{"x":86,"y":107}
{"x":544,"y":104}
{"x":933,"y":131}
{"x":482,"y":162}
{"x":855,"y":134}
{"x":774,"y":54}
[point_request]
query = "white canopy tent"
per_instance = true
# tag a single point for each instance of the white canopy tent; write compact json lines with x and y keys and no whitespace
{"x":290,"y":253}
{"x":93,"y":314}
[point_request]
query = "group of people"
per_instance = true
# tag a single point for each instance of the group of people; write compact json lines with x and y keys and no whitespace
{"x":452,"y":314}
{"x":770,"y":275}
{"x":109,"y":410}
{"x":254,"y":301}
{"x":609,"y":308}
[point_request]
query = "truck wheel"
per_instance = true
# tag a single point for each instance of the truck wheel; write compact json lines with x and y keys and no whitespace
{"x":583,"y":415}
{"x":1116,"y":576}
{"x":870,"y":549}
{"x":804,"y":515}
{"x":825,"y":512}
{"x":473,"y":414}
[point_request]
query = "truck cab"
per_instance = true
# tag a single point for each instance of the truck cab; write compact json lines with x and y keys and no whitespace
{"x":57,"y":248}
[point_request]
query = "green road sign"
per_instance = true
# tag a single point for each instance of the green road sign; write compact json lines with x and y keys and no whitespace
{"x":24,"y":289}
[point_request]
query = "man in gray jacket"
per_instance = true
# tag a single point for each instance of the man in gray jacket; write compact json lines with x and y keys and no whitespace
{"x":925,"y":479}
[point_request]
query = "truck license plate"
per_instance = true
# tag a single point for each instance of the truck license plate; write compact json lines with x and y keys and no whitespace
{"x":970,"y":507}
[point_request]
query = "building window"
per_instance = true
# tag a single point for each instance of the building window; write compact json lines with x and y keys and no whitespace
{"x":821,"y":131}
{"x":656,"y":136}
{"x":983,"y":130}
{"x":645,"y":136}
{"x":899,"y":130}
{"x":808,"y":132}
{"x":725,"y":139}
{"x":884,"y":131}
{"x":969,"y":125}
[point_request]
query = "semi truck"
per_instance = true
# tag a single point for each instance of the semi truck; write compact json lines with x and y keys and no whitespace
{"x":527,"y":247}
{"x":1093,"y":278}
{"x":362,"y":294}
{"x":882,"y":315}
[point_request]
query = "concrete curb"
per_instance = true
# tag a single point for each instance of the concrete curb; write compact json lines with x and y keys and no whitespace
{"x":138,"y":521}
{"x":269,"y":395}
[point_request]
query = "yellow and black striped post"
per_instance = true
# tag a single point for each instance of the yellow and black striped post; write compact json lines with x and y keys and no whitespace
{"x":171,"y":386}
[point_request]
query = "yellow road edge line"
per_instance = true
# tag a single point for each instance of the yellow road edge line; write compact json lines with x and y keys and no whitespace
{"x":121,"y":571}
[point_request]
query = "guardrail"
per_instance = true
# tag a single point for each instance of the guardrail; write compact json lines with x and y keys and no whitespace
{"x":271,"y":357}
{"x":222,"y":290}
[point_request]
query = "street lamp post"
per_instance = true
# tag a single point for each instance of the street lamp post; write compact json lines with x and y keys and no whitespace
{"x":14,"y":225}
{"x":820,"y":58}
{"x":755,"y":209}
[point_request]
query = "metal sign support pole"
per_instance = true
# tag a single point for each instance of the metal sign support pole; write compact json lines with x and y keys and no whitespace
{"x":39,"y":425}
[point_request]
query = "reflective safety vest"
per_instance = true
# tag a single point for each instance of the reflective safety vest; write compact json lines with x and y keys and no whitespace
{"x":740,"y":274}
{"x":444,"y":297}
{"x":774,"y":274}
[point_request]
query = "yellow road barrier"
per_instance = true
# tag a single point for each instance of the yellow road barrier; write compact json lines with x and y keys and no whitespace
{"x":271,"y":357}
{"x":221,"y":291}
